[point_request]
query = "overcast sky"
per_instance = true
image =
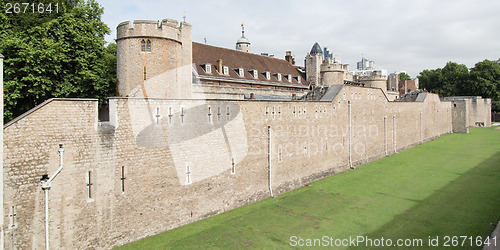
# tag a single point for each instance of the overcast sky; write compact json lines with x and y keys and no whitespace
{"x":410,"y":35}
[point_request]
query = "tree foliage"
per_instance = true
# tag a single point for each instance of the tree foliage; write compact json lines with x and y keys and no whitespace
{"x":456,"y":80}
{"x":404,"y":77}
{"x":55,"y":55}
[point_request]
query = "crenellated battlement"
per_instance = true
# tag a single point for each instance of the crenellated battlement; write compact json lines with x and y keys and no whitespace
{"x":334,"y":66}
{"x":167,"y":28}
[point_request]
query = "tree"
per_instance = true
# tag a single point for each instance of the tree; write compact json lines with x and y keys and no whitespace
{"x":446,"y":81}
{"x":62,"y":55}
{"x":404,"y":77}
{"x":110,"y":63}
{"x":455,"y":79}
{"x":430,"y":80}
{"x":484,"y":80}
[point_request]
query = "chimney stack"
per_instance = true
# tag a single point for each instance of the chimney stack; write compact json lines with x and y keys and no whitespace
{"x":289,"y":58}
{"x":219,"y":66}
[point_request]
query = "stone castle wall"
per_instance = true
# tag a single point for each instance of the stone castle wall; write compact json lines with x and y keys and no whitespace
{"x":158,"y":164}
{"x":470,"y":111}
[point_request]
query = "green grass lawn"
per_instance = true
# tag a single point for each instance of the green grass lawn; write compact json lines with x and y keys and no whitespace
{"x":446,"y":187}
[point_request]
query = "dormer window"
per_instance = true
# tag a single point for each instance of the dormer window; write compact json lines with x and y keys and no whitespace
{"x":267,"y":74}
{"x":254,"y":73}
{"x":225,"y":70}
{"x":297,"y":78}
{"x":208,"y":68}
{"x":289,"y":78}
{"x":278,"y":76}
{"x":241,"y":72}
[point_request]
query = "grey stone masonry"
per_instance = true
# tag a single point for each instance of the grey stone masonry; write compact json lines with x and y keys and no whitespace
{"x":162,"y":163}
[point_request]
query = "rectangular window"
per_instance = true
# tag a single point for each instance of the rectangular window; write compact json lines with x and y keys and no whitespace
{"x":268,"y":75}
{"x":278,"y":76}
{"x":226,"y":70}
{"x":208,"y":68}
{"x":241,"y":72}
{"x":143,"y":45}
{"x":289,"y":78}
{"x":255,"y":74}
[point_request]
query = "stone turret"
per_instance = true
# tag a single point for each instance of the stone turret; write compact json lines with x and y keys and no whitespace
{"x":313,"y":65}
{"x":154,"y":59}
{"x":333,"y":73}
{"x":374,"y":80}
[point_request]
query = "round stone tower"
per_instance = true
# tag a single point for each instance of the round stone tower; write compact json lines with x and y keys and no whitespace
{"x":375,"y":81}
{"x":333,"y":73}
{"x":154,"y":59}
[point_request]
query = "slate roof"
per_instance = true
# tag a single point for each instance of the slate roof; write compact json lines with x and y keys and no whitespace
{"x":206,"y":54}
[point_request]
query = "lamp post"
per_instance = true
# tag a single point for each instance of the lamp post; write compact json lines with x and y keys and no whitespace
{"x":46,"y":184}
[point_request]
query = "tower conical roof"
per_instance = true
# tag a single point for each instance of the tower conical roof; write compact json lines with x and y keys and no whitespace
{"x":316,"y":49}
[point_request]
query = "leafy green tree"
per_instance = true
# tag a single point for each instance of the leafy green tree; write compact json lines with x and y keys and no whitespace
{"x":446,"y":81}
{"x":454,"y":76}
{"x":55,"y":55}
{"x":110,"y":63}
{"x":430,"y":79}
{"x":484,"y":80}
{"x":455,"y":79}
{"x":404,"y":77}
